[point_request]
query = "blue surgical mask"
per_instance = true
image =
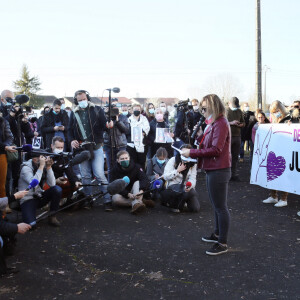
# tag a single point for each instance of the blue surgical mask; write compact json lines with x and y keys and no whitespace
{"x":151,"y":111}
{"x":160,"y":161}
{"x":83,"y":104}
{"x":277,"y":115}
{"x":54,"y":112}
{"x":63,"y":106}
{"x":125,"y":113}
{"x":233,"y":108}
{"x":8,"y":103}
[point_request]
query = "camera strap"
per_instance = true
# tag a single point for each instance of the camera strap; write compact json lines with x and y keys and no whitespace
{"x":83,"y":134}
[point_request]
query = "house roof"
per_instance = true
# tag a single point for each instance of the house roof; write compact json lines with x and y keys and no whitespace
{"x":48,"y":99}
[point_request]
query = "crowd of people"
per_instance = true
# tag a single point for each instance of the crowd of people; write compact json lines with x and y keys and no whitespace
{"x":160,"y":152}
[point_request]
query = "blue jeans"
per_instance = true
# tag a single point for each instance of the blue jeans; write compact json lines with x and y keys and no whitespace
{"x":52,"y":195}
{"x":110,"y":163}
{"x":94,"y":167}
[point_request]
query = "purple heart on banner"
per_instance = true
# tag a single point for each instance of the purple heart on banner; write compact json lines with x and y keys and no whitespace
{"x":275,"y":166}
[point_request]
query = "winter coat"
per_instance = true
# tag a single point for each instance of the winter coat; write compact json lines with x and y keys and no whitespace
{"x":48,"y":125}
{"x":6,"y":228}
{"x":249,"y":123}
{"x":28,"y":172}
{"x":172,"y":176}
{"x":154,"y":168}
{"x":6,"y":137}
{"x":134,"y":172}
{"x":97,"y":122}
{"x":118,"y":133}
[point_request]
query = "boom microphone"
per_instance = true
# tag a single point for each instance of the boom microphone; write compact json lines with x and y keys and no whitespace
{"x":25,"y":148}
{"x":81,"y":157}
{"x":34,"y":182}
{"x":201,"y":121}
{"x":118,"y":185}
{"x":21,"y":99}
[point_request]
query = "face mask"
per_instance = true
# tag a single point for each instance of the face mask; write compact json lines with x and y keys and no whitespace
{"x":278,"y":115}
{"x":195,"y":107}
{"x":8,"y":103}
{"x":151,"y":111}
{"x":63,"y":106}
{"x":136,"y":113}
{"x":124,"y":163}
{"x":161,"y":161}
{"x":159,"y":117}
{"x":246,"y":108}
{"x":233,"y":108}
{"x":83,"y":104}
{"x":57,"y":151}
{"x":125,"y":113}
{"x":163,"y":109}
{"x":55,"y":112}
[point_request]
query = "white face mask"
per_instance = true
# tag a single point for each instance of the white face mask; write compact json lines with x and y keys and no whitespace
{"x":63,"y":106}
{"x":246,"y":108}
{"x":195,"y":107}
{"x":83,"y":104}
{"x":57,"y":151}
{"x":163,"y":109}
{"x":233,"y":108}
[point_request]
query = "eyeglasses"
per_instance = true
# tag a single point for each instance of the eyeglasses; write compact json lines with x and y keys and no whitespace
{"x":203,"y":109}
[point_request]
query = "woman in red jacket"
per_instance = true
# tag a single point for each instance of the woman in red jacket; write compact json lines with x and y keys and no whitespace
{"x":215,"y":158}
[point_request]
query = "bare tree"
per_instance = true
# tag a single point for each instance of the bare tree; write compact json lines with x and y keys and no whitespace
{"x":224,"y":85}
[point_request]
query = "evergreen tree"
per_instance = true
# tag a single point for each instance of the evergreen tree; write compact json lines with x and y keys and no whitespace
{"x":29,"y":86}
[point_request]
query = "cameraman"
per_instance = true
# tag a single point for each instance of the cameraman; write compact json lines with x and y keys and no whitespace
{"x":40,"y":168}
{"x":115,"y":137}
{"x":294,"y":113}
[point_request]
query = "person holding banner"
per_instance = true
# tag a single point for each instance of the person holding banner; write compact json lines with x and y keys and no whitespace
{"x":278,"y":114}
{"x":214,"y":156}
{"x":159,"y":135}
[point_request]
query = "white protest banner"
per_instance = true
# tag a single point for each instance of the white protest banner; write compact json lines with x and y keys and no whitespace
{"x":275,"y":163}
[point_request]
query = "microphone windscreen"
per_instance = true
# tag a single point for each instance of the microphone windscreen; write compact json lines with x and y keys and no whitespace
{"x":81,"y":157}
{"x":27,"y":148}
{"x":116,"y":186}
{"x":34,"y":182}
{"x":156,"y":184}
{"x":116,"y":90}
{"x":188,"y":184}
{"x":21,"y":99}
{"x":126,"y":179}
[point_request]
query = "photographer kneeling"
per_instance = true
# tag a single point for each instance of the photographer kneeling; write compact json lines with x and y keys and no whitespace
{"x":180,"y":174}
{"x":40,"y":168}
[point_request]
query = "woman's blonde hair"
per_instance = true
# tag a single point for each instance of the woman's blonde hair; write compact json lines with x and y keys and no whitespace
{"x":277,"y":105}
{"x":214,"y":103}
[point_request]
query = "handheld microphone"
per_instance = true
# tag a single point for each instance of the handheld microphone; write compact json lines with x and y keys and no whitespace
{"x":188,"y":184}
{"x":81,"y":157}
{"x":201,"y":121}
{"x":156,"y":184}
{"x":34,"y":182}
{"x":117,"y":185}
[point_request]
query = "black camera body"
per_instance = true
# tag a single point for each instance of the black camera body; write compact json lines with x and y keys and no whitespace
{"x":182,"y":105}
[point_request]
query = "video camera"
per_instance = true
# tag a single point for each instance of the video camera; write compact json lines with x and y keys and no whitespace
{"x":19,"y":99}
{"x":183,"y":105}
{"x":113,"y":113}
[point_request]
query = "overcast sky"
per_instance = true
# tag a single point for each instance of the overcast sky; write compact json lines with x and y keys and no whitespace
{"x":164,"y":48}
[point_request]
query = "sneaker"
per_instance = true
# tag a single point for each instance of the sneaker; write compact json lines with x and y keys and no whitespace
{"x":271,"y":200}
{"x":138,"y":207}
{"x":210,"y":239}
{"x":175,"y":210}
{"x":281,"y":203}
{"x":235,"y":178}
{"x":108,"y":206}
{"x":217,"y":249}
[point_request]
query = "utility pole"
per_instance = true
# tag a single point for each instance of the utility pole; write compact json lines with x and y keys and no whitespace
{"x":258,"y":56}
{"x":266,"y":68}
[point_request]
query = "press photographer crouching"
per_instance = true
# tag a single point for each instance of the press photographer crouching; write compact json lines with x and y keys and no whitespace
{"x":215,"y":158}
{"x":180,"y":174}
{"x":39,"y":168}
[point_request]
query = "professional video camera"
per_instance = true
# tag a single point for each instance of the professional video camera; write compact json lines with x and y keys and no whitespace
{"x":113,"y":113}
{"x":19,"y":99}
{"x":183,"y":105}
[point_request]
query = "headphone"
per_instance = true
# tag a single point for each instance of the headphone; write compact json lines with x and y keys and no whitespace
{"x":80,"y":92}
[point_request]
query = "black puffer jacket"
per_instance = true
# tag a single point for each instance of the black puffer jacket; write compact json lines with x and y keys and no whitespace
{"x":6,"y":137}
{"x":246,"y":131}
{"x":97,"y":121}
{"x":118,"y":133}
{"x":134,"y":172}
{"x":49,"y":123}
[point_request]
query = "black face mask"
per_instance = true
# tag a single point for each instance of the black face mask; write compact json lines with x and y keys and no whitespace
{"x":136,"y":113}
